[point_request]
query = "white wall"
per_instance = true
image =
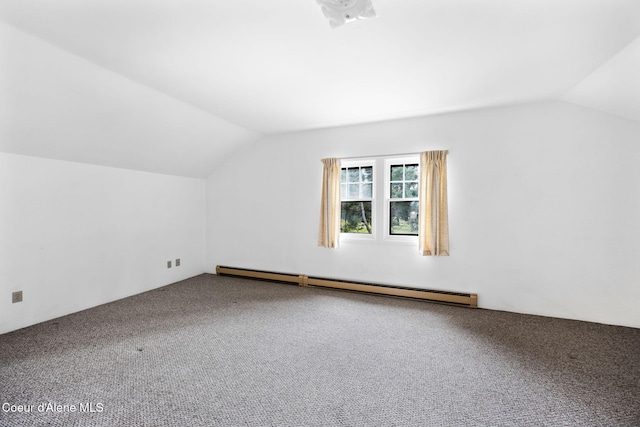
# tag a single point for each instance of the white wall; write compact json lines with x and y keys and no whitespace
{"x":73,"y":235}
{"x":544,"y":208}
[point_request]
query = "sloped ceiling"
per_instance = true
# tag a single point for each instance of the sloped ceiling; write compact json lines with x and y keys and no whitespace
{"x":57,"y":105}
{"x":185,"y":82}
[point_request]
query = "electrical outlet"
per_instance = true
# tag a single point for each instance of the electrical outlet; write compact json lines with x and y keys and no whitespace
{"x":168,"y":264}
{"x":178,"y":262}
{"x":16,"y":297}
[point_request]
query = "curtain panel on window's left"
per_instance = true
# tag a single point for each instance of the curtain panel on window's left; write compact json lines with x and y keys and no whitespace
{"x":329,"y":233}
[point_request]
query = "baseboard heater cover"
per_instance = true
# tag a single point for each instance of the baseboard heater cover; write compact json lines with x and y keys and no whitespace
{"x":456,"y":298}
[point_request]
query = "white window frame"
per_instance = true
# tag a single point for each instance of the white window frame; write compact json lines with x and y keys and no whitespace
{"x":380,"y":202}
{"x":388,"y":162}
{"x":364,"y":162}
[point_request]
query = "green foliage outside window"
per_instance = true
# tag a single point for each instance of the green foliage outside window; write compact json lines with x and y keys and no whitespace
{"x":355,"y":217}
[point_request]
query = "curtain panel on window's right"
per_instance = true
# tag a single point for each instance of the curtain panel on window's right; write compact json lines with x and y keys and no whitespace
{"x":433,"y":231}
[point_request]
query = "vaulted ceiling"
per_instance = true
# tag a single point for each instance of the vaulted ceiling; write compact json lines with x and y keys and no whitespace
{"x":173,"y":86}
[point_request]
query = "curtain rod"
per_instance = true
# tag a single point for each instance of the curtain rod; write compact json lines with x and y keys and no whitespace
{"x":385,"y":155}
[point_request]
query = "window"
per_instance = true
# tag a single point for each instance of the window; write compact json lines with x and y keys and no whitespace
{"x":403,"y":199}
{"x":396,"y":187}
{"x":356,"y":199}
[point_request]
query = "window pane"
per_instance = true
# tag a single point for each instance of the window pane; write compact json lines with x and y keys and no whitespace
{"x":404,"y":218}
{"x":396,"y":191}
{"x":367,"y":191}
{"x":411,"y":172}
{"x":396,"y":172}
{"x":343,"y":175}
{"x":355,"y":217}
{"x":411,"y":189}
{"x":354,"y":191}
{"x":366,"y":174}
{"x":354,"y":174}
{"x":343,"y":191}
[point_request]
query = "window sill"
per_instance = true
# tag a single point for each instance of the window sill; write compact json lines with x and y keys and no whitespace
{"x":387,"y":240}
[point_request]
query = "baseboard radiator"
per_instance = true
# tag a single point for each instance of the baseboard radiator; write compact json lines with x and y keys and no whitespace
{"x":455,"y":298}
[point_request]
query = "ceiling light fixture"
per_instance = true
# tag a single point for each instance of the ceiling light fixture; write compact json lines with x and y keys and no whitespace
{"x":340,"y":12}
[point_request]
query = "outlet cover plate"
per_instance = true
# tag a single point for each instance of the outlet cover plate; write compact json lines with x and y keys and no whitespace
{"x":16,"y":297}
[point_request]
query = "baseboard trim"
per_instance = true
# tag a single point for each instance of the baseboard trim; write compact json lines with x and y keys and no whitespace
{"x":455,"y":298}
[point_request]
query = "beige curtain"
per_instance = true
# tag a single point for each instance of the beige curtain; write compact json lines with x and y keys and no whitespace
{"x":329,"y":233}
{"x":433,"y":231}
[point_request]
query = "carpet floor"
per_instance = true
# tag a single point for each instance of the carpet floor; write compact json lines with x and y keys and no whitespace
{"x":221,"y":351}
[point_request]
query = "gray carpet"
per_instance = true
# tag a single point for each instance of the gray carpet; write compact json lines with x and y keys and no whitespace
{"x":216,"y":351}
